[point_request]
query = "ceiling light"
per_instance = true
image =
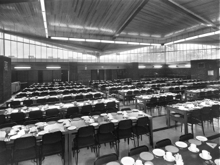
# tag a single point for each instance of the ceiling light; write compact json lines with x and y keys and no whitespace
{"x":188,"y":65}
{"x":42,"y":3}
{"x":107,"y":41}
{"x":141,"y":66}
{"x":59,"y":38}
{"x":134,"y":43}
{"x":22,"y":67}
{"x":120,"y":42}
{"x":91,"y":28}
{"x":144,"y":44}
{"x":53,"y":67}
{"x":76,"y":26}
{"x":77,"y":39}
{"x":157,"y":66}
{"x":92,"y":40}
{"x":172,"y":66}
{"x":191,"y":38}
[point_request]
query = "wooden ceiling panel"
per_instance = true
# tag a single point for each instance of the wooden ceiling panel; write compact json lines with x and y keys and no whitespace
{"x":101,"y":17}
{"x":159,"y":18}
{"x":23,"y":17}
{"x":208,"y":9}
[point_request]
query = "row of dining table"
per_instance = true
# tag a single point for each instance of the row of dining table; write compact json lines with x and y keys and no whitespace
{"x":196,"y":151}
{"x":185,"y":109}
{"x":195,"y":94}
{"x":69,"y":128}
{"x":59,"y":98}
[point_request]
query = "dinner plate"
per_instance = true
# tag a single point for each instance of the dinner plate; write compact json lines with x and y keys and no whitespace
{"x":194,"y":141}
{"x":194,"y":151}
{"x":71,"y":128}
{"x":113,"y":163}
{"x":181,"y":144}
{"x":14,"y":137}
{"x":172,"y":158}
{"x":148,"y":163}
{"x":94,"y":124}
{"x":146,"y":156}
{"x":207,"y":158}
{"x":62,"y":120}
{"x":119,"y":112}
{"x":217,"y":161}
{"x":114,"y":121}
{"x":12,"y":132}
{"x":85,"y":117}
{"x":158,"y":152}
{"x":42,"y":133}
{"x":51,"y":122}
{"x":127,"y":160}
{"x":134,"y":110}
{"x":76,"y":119}
{"x":17,"y":126}
{"x":132,"y":118}
{"x":104,"y":114}
{"x":40,"y":124}
{"x":201,"y":138}
{"x":172,"y":149}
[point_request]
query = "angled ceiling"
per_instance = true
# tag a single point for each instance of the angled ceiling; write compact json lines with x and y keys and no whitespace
{"x":145,"y":21}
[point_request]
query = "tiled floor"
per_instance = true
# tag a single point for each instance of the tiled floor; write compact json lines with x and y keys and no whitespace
{"x":87,"y":158}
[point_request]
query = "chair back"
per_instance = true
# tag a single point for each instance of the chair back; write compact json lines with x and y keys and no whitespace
{"x":51,"y":138}
{"x":186,"y":137}
{"x":106,"y":159}
{"x":106,"y":128}
{"x":36,"y":114}
{"x":24,"y":143}
{"x":138,"y":150}
{"x":2,"y":119}
{"x":71,"y":111}
{"x":18,"y":117}
{"x":85,"y":132}
{"x":86,"y":109}
{"x":125,"y":124}
{"x":52,"y":112}
{"x":163,"y":143}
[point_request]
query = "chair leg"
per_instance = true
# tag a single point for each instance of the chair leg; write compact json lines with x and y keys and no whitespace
{"x":192,"y":129}
{"x":203,"y":128}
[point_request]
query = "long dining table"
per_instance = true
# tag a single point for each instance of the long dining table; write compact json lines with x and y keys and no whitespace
{"x":69,"y":132}
{"x":188,"y":157}
{"x":185,"y":109}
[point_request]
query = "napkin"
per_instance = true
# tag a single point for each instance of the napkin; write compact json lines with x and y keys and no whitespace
{"x":2,"y":135}
{"x":212,"y":145}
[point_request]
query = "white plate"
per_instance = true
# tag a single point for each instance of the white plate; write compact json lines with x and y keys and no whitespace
{"x":17,"y":126}
{"x":172,"y":158}
{"x":132,"y":118}
{"x":181,"y":144}
{"x":14,"y":137}
{"x":208,"y":157}
{"x":119,"y":112}
{"x":201,"y":138}
{"x":42,"y":132}
{"x":127,"y":160}
{"x":217,"y":161}
{"x":12,"y":132}
{"x":94,"y":124}
{"x":104,"y":114}
{"x":134,"y":110}
{"x":40,"y":124}
{"x":158,"y":152}
{"x":85,"y":117}
{"x":62,"y":120}
{"x":71,"y":128}
{"x":114,"y":121}
{"x":196,"y":151}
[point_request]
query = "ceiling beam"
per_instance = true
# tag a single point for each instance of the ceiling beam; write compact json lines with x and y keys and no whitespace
{"x":43,"y":39}
{"x":130,"y":18}
{"x":15,"y":1}
{"x":188,"y":12}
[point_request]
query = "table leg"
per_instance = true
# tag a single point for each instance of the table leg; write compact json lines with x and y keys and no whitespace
{"x":151,"y":133}
{"x":185,"y":123}
{"x":168,"y":117}
{"x":66,"y":149}
{"x":135,"y":103}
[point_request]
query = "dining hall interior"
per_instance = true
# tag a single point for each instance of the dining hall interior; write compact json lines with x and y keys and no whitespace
{"x":109,"y":82}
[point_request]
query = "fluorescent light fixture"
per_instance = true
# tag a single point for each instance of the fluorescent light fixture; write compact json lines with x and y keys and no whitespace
{"x":120,"y":42}
{"x":92,"y":40}
{"x":172,"y":66}
{"x":106,"y":30}
{"x":107,"y":41}
{"x":188,"y":65}
{"x":91,"y":28}
{"x":22,"y":67}
{"x":144,"y":44}
{"x":141,"y":66}
{"x":42,"y":3}
{"x":191,"y":38}
{"x":53,"y":67}
{"x":77,"y":39}
{"x":76,"y":26}
{"x":134,"y":43}
{"x":59,"y":38}
{"x":157,"y":66}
